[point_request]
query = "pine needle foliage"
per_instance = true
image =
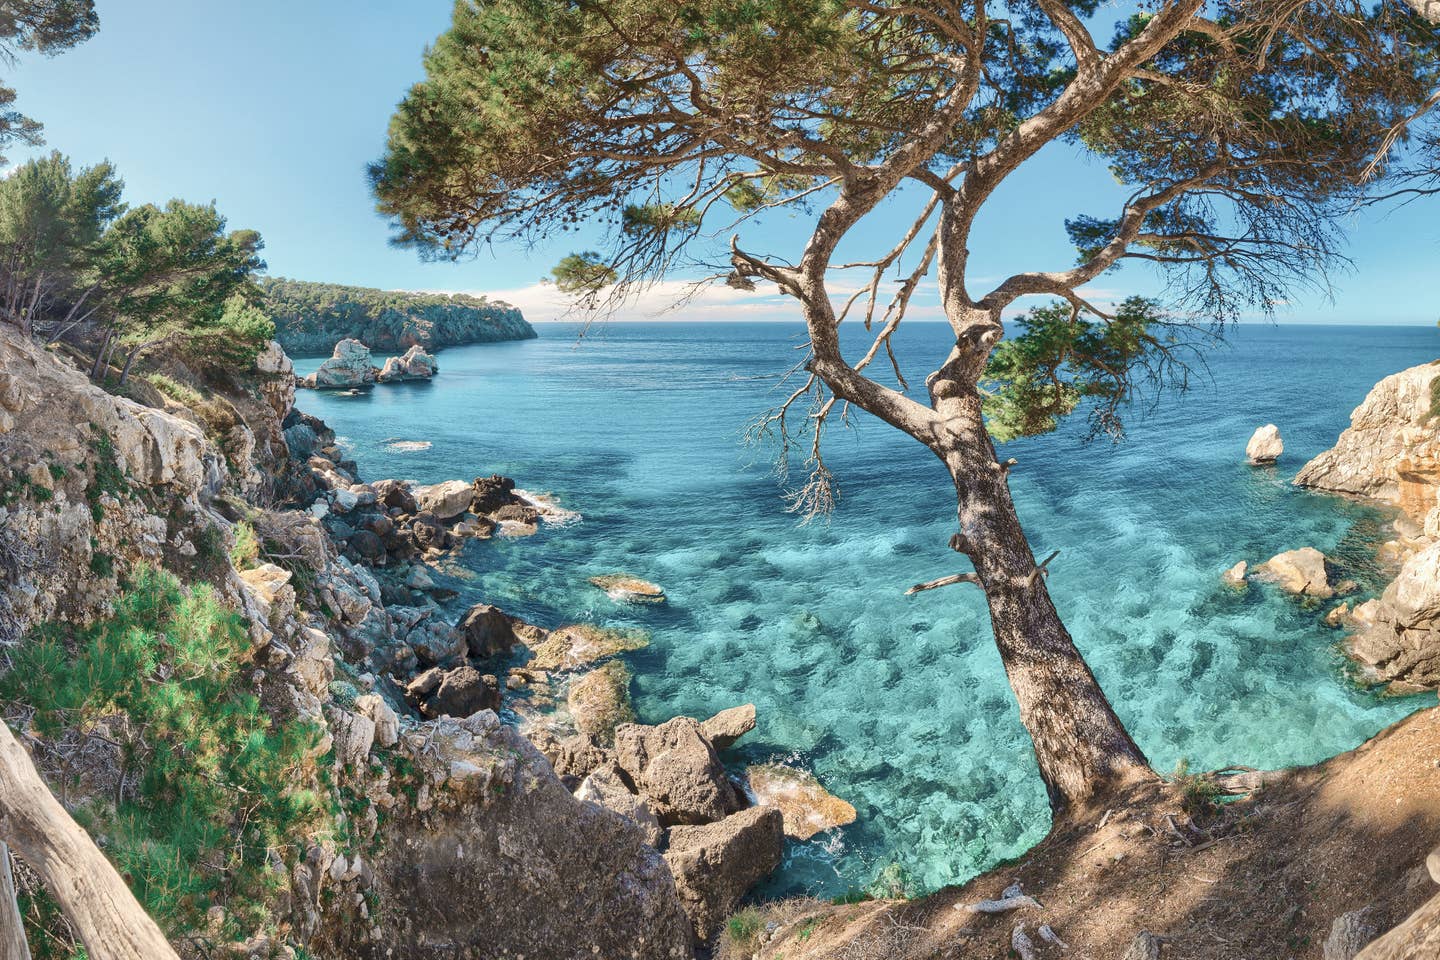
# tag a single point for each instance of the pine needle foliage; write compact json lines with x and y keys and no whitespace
{"x":213,"y":785}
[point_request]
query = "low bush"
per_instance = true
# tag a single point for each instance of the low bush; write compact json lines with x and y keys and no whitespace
{"x":212,"y":787}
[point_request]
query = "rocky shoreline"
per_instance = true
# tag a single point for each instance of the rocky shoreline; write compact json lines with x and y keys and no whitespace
{"x":455,"y":834}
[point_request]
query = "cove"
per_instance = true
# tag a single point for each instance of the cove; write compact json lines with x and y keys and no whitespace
{"x":899,"y":705}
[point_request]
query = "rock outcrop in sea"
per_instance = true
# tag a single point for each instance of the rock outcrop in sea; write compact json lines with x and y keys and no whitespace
{"x":1391,"y":453}
{"x":350,"y":367}
{"x":1265,"y":445}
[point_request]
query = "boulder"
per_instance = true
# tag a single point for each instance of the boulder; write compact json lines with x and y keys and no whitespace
{"x":491,"y":493}
{"x":462,"y":692}
{"x":606,"y":786}
{"x":1301,"y":572}
{"x":395,"y":494}
{"x":628,"y":589}
{"x":367,"y":545}
{"x":415,"y":364}
{"x":572,"y":758}
{"x":348,"y":367}
{"x":487,"y":631}
{"x":579,"y":645}
{"x":1235,"y":576}
{"x":807,"y":807}
{"x":676,"y":767}
{"x":446,"y":500}
{"x":715,"y":864}
{"x":436,"y":642}
{"x":599,"y":702}
{"x":382,"y":715}
{"x":1265,"y":445}
{"x":727,"y":726}
{"x":428,"y":532}
{"x":502,"y":861}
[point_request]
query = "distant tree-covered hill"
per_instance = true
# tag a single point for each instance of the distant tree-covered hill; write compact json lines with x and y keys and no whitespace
{"x":310,"y":318}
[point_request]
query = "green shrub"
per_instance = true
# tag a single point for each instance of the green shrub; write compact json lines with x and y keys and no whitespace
{"x":742,"y":930}
{"x":174,"y":389}
{"x":219,"y":784}
{"x":246,"y":548}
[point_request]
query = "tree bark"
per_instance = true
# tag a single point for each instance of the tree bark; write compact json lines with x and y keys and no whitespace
{"x":96,"y":901}
{"x":1083,"y":750}
{"x":13,"y":945}
{"x":1417,"y":938}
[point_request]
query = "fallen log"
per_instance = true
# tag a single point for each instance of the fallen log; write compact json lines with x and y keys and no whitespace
{"x":104,"y":913}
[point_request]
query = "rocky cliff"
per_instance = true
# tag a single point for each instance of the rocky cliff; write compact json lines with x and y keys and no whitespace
{"x":310,"y":318}
{"x":1391,"y":453}
{"x":449,"y":837}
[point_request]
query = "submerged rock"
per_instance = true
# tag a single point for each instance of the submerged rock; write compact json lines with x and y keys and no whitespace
{"x":1265,"y":445}
{"x":715,"y":864}
{"x":581,"y":644}
{"x":629,"y":589}
{"x":1301,"y":572}
{"x":600,"y":702}
{"x":807,"y":807}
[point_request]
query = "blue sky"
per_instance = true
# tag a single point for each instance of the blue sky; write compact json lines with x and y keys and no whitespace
{"x":273,"y":109}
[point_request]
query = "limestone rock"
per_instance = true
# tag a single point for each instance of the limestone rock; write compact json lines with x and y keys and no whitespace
{"x":579,"y":645}
{"x":505,"y":862}
{"x":715,"y":864}
{"x":489,"y":494}
{"x":599,"y":702}
{"x":628,"y":589}
{"x":487,"y":631}
{"x":1349,"y":934}
{"x":416,"y":364}
{"x":1390,"y":451}
{"x":727,"y":726}
{"x":807,"y":807}
{"x":1235,"y":576}
{"x":606,"y":786}
{"x":1401,"y":643}
{"x":382,"y":715}
{"x":1265,"y":445}
{"x":462,"y":692}
{"x":354,"y":735}
{"x":1301,"y":572}
{"x":348,"y":367}
{"x":446,"y":500}
{"x":676,"y":767}
{"x":572,"y":758}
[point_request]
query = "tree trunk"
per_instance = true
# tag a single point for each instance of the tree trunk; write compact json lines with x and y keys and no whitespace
{"x":1083,"y":749}
{"x":99,"y":366}
{"x":12,"y":928}
{"x":96,"y":901}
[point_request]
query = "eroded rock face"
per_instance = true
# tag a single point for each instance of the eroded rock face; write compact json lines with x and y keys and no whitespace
{"x":675,"y":766}
{"x":1265,"y":445}
{"x":505,"y":862}
{"x":1401,"y":644}
{"x":1391,"y":450}
{"x":606,"y":786}
{"x":715,"y":864}
{"x":599,"y":702}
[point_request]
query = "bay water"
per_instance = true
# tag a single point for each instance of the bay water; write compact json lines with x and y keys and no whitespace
{"x":900,"y":704}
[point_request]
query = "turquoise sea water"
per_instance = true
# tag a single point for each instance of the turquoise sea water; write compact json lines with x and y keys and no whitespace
{"x":900,"y":704}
